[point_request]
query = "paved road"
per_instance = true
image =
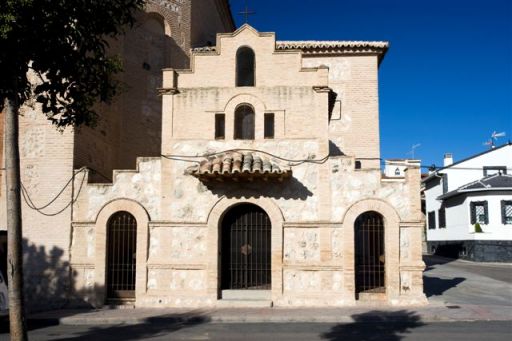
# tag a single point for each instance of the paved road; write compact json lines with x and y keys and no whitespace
{"x":409,"y":330}
{"x":460,"y":282}
{"x":477,"y":286}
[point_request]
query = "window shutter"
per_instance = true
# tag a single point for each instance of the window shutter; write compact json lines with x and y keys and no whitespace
{"x":220,"y":126}
{"x":486,"y":212}
{"x":503,"y":212}
{"x":445,"y":183}
{"x":473,"y":212}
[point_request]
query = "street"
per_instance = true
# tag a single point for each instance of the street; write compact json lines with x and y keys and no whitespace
{"x":468,"y":301}
{"x":412,"y":330}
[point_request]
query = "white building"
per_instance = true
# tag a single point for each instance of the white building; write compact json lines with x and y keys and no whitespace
{"x":467,"y":196}
{"x":395,"y":168}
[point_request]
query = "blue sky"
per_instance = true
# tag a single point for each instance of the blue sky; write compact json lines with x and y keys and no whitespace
{"x":446,"y":81}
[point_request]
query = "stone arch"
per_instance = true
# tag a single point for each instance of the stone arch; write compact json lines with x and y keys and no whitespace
{"x":247,"y":99}
{"x":244,"y":122}
{"x":142,"y":217}
{"x":161,"y":19}
{"x":214,"y":220}
{"x":391,"y":245}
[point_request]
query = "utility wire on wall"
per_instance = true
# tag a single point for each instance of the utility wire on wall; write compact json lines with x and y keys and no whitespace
{"x":189,"y":158}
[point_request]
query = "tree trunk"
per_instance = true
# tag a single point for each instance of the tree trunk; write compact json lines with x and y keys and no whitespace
{"x":17,"y":323}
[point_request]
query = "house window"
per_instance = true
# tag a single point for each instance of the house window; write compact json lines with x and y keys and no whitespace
{"x":245,"y":66}
{"x":397,"y":171}
{"x":490,"y":170}
{"x":506,"y":212}
{"x":431,"y":220}
{"x":441,"y":216}
{"x":357,"y":165}
{"x":220,"y":126}
{"x":479,"y":212}
{"x":269,"y":126}
{"x":244,"y":122}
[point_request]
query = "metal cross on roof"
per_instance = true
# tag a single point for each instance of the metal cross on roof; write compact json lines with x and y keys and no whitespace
{"x":246,"y":12}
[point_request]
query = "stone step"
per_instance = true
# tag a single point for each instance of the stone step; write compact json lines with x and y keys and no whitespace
{"x":120,"y":304}
{"x":234,"y":303}
{"x":264,"y":295}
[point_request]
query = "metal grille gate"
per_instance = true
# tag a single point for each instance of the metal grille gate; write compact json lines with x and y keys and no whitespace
{"x":245,"y":253}
{"x":369,"y":253}
{"x":121,"y":251}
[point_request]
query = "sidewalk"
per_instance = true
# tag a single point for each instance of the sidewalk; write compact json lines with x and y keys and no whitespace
{"x":431,"y":313}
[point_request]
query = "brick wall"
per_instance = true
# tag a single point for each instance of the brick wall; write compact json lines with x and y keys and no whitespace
{"x":2,"y":164}
{"x":354,"y":123}
{"x":130,"y":127}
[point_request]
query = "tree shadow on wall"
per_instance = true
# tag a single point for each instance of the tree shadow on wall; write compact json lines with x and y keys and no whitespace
{"x":47,"y":277}
{"x":376,"y":325}
{"x":290,"y":188}
{"x":49,"y":280}
{"x":48,"y":284}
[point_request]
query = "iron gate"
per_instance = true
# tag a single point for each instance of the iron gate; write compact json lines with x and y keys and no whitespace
{"x":369,"y":253}
{"x":245,"y":253}
{"x":121,"y":251}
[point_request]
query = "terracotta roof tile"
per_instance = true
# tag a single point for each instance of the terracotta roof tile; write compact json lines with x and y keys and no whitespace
{"x":238,"y":165}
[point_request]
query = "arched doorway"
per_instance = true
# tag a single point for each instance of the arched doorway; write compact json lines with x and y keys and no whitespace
{"x":121,"y":256}
{"x":369,"y":253}
{"x":245,"y":254}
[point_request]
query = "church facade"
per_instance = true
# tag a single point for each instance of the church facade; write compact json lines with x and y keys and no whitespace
{"x":268,"y":189}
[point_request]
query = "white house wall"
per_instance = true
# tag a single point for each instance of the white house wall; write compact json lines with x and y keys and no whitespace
{"x":472,"y":170}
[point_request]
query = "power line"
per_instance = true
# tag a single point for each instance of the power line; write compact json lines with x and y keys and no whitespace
{"x":297,"y":162}
{"x":185,"y":158}
{"x":58,"y":194}
{"x":31,"y":205}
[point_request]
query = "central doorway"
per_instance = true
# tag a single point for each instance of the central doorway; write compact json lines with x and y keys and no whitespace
{"x":245,"y":249}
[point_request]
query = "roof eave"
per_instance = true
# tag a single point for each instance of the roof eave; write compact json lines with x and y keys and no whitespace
{"x":465,"y":191}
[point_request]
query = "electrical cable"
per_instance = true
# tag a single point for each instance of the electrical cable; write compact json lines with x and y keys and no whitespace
{"x":300,"y":161}
{"x":27,"y":199}
{"x":184,"y":158}
{"x":249,"y":150}
{"x":33,"y":206}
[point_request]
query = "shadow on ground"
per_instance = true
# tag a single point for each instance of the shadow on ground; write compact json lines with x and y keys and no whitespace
{"x":432,"y":260}
{"x":151,"y":327}
{"x":435,"y":286}
{"x":376,"y":325}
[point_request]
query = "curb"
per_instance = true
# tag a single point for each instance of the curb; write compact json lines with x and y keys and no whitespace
{"x":248,"y":319}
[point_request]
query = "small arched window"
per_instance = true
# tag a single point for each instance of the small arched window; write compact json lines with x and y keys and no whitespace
{"x":244,"y":122}
{"x":245,"y":66}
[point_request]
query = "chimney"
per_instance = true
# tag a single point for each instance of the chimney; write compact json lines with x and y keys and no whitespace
{"x":448,"y":159}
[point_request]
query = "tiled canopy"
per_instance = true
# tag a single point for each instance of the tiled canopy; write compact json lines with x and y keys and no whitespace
{"x":239,"y":167}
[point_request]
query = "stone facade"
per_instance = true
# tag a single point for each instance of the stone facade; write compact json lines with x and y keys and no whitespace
{"x":131,"y":126}
{"x":324,"y":97}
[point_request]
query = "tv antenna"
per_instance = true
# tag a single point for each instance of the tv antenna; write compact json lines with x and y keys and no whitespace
{"x":494,"y":137}
{"x":413,"y":147}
